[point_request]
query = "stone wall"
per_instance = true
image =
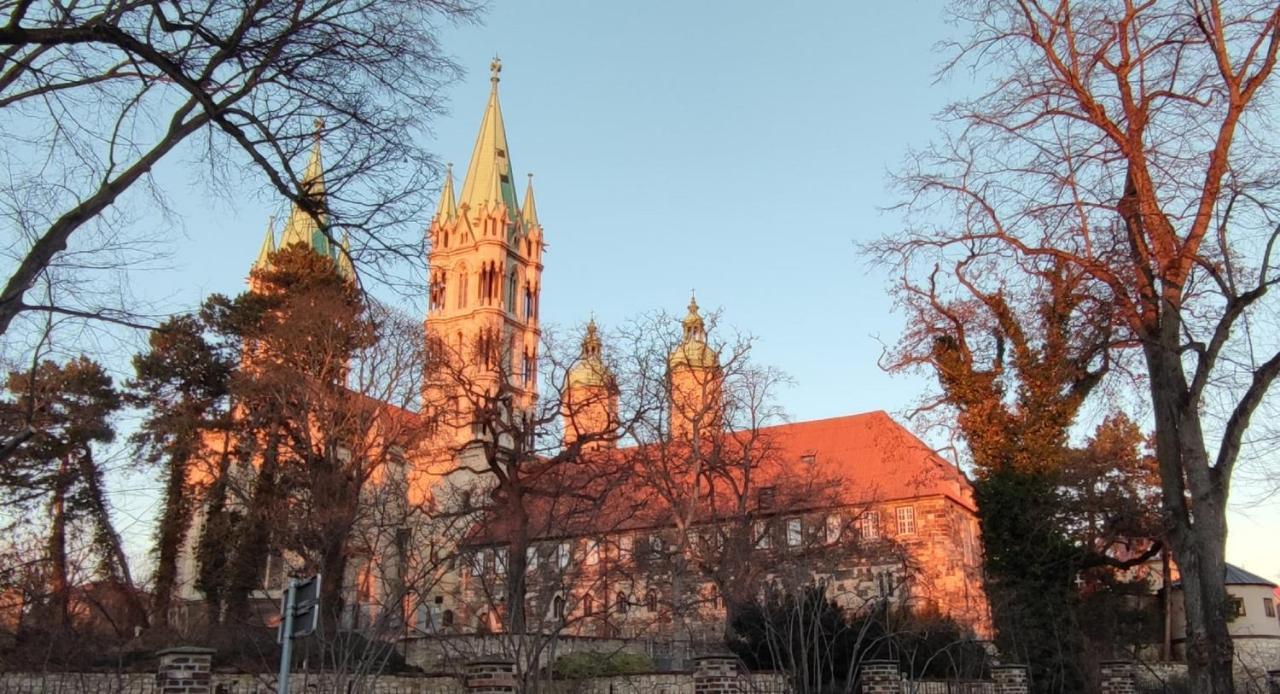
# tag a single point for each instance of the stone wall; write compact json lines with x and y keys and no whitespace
{"x":226,"y":683}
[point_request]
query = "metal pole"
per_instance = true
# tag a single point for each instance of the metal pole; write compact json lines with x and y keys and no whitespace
{"x":286,"y":645}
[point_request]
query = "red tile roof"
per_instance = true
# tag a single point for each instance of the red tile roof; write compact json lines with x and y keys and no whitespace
{"x":858,"y":459}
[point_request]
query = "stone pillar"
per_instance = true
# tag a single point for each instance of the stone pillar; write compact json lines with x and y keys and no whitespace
{"x":881,"y":677}
{"x":1118,"y":677}
{"x":185,"y":670}
{"x":491,"y":676}
{"x":716,"y":673}
{"x":1273,"y":681}
{"x":1010,"y":679}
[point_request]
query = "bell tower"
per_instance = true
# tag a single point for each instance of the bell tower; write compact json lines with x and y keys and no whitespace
{"x":694,"y":380}
{"x":485,"y":272}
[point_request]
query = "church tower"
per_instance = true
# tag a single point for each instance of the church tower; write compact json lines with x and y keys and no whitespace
{"x":590,"y":407}
{"x":300,"y":227}
{"x":485,"y":263}
{"x":694,"y":374}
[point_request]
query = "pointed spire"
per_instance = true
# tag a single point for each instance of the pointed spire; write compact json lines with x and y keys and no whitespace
{"x":694,"y":328}
{"x":268,"y":246}
{"x":345,"y":268}
{"x":301,"y":227}
{"x":529,"y":210}
{"x":448,"y":208}
{"x":488,"y":179}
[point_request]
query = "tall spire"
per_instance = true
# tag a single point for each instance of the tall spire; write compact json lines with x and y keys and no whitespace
{"x":488,"y":177}
{"x":301,"y":227}
{"x":529,"y":210}
{"x":448,"y":208}
{"x":345,"y":268}
{"x":268,"y":246}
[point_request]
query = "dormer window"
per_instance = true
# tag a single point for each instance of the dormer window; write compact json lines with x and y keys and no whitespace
{"x":765,"y":497}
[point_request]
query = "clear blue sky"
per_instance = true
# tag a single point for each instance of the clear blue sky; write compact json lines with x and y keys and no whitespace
{"x":737,"y":148}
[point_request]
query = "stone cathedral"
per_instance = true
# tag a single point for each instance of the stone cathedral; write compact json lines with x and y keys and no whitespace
{"x":895,"y":522}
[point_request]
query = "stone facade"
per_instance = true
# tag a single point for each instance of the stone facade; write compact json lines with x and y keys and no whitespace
{"x":185,"y":670}
{"x":1118,"y":677}
{"x":880,"y":677}
{"x":1010,"y":679}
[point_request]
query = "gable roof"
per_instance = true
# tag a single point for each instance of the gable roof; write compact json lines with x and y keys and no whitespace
{"x":860,"y":459}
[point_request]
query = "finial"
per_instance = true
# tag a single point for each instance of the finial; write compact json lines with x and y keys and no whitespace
{"x":319,"y":125}
{"x":494,"y":68}
{"x":693,"y":301}
{"x":448,"y":168}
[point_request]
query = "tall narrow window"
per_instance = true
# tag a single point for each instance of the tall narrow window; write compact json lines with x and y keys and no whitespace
{"x":588,"y":605}
{"x":869,"y":525}
{"x":620,"y":603}
{"x":834,"y":526}
{"x":795,"y":532}
{"x":651,"y":600}
{"x":761,"y":531}
{"x":906,"y":520}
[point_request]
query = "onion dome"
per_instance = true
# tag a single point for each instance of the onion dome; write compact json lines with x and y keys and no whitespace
{"x":589,"y":370}
{"x":693,"y":351}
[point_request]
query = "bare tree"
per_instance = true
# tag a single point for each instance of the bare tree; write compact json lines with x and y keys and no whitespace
{"x":100,"y":93}
{"x":1126,"y":142}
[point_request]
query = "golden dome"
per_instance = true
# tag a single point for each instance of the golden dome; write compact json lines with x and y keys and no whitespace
{"x":589,"y":370}
{"x":693,"y":350}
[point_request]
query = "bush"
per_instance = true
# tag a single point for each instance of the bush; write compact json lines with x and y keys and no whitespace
{"x":577,"y":666}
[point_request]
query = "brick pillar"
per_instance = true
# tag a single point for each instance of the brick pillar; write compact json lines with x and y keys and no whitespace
{"x":1010,"y":679}
{"x":881,"y":677}
{"x":491,"y":676}
{"x":716,"y":673}
{"x":185,"y":670}
{"x":1118,"y":677}
{"x":1273,"y":681}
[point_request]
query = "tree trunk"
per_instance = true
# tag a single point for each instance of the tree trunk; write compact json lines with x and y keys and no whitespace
{"x":1194,"y":514}
{"x":174,"y":520}
{"x":59,"y":583}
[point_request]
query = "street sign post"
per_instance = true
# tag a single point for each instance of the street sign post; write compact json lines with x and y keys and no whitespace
{"x":299,"y":616}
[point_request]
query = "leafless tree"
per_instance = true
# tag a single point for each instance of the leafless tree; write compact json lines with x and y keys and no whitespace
{"x":93,"y":96}
{"x":1128,"y":142}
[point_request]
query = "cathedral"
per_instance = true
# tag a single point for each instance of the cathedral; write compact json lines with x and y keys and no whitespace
{"x":648,"y":538}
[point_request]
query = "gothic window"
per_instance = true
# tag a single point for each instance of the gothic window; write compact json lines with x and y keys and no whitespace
{"x":620,"y":603}
{"x":462,"y":287}
{"x":588,"y":605}
{"x":906,"y":520}
{"x":511,"y":293}
{"x":528,"y":302}
{"x":557,"y":607}
{"x":651,"y":600}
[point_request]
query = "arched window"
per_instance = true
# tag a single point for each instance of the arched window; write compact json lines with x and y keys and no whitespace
{"x":620,"y":603}
{"x":447,"y":618}
{"x":511,"y":292}
{"x":651,"y":600}
{"x":588,"y":605}
{"x":557,"y":607}
{"x":462,"y":287}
